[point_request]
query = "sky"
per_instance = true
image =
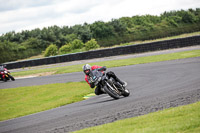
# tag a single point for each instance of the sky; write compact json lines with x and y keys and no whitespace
{"x":18,"y":15}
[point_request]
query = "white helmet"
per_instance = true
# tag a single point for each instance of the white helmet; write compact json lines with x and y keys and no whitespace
{"x":86,"y":69}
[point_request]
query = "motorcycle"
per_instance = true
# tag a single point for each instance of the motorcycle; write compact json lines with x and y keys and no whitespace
{"x":108,"y":85}
{"x":5,"y":75}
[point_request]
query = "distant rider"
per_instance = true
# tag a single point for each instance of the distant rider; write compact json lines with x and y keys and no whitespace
{"x":1,"y":67}
{"x":98,"y":91}
{"x":1,"y":70}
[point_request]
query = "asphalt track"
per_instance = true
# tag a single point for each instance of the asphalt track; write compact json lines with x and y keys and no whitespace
{"x":153,"y":87}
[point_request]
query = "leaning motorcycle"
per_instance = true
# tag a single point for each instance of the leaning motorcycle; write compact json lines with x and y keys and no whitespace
{"x":109,"y":85}
{"x":5,"y":75}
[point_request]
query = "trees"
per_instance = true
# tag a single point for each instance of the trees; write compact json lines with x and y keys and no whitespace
{"x":70,"y":37}
{"x":65,"y":49}
{"x":32,"y":43}
{"x":110,"y":33}
{"x":77,"y":44}
{"x":83,"y":32}
{"x":119,"y":26}
{"x":51,"y":50}
{"x":92,"y":44}
{"x":6,"y":51}
{"x":101,"y":30}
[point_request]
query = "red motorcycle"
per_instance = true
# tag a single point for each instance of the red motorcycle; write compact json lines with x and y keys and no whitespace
{"x":5,"y":74}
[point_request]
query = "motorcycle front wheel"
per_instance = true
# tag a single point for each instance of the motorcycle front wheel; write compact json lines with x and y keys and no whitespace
{"x":111,"y":92}
{"x":12,"y":78}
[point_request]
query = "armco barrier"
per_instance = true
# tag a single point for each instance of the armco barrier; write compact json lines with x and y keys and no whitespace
{"x":130,"y":49}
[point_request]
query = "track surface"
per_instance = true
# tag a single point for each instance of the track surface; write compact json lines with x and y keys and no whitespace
{"x":153,"y":87}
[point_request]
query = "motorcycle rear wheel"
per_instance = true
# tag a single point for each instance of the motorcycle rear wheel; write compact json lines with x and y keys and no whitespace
{"x":4,"y":79}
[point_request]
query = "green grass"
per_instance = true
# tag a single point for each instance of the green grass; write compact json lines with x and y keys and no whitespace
{"x":183,"y":119}
{"x":115,"y":63}
{"x":22,"y":101}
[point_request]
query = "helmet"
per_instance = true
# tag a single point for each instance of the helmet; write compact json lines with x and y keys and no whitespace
{"x":86,"y":69}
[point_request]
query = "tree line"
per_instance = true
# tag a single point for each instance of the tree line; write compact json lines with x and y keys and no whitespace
{"x":14,"y":46}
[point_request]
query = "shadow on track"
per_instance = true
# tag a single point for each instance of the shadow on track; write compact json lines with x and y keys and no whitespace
{"x":104,"y":101}
{"x":108,"y":100}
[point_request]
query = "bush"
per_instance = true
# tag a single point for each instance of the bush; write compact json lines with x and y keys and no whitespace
{"x":51,"y":50}
{"x":92,"y":44}
{"x":65,"y":49}
{"x":77,"y":44}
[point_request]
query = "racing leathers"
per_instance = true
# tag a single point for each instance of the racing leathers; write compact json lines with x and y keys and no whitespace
{"x":98,"y":90}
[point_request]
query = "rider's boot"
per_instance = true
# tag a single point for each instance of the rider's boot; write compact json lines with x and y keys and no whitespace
{"x":99,"y":90}
{"x":121,"y":82}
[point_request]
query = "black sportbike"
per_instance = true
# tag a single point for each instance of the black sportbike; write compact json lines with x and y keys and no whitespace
{"x":108,"y":85}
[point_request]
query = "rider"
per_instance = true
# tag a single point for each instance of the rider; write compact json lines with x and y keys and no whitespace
{"x":87,"y":68}
{"x":1,"y":70}
{"x":1,"y":67}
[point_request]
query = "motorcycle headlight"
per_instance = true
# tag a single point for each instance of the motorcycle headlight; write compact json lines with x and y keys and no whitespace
{"x":5,"y":72}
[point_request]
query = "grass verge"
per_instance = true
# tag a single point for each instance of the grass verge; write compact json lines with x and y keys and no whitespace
{"x":183,"y":119}
{"x":115,"y":63}
{"x":21,"y":101}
